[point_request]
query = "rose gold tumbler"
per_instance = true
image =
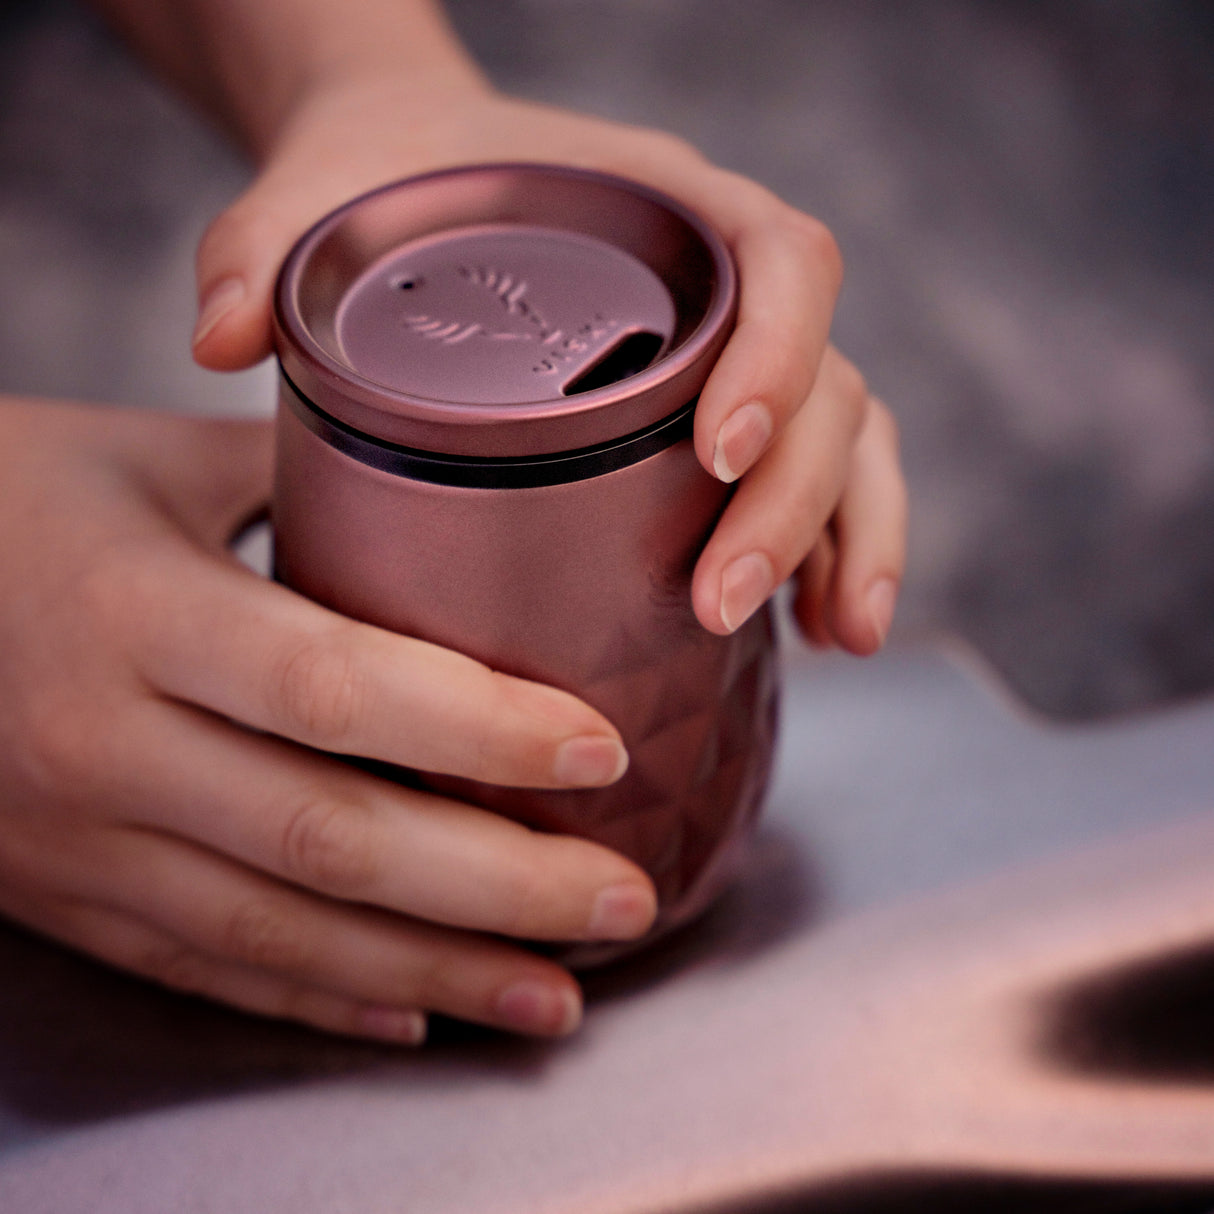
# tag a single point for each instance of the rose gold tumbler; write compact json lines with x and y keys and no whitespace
{"x":488,"y":383}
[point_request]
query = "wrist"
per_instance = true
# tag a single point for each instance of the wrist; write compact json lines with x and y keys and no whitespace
{"x":252,"y":66}
{"x":372,"y":46}
{"x":354,"y":120}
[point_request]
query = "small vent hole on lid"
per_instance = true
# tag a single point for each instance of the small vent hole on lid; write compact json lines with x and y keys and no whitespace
{"x":629,"y":356}
{"x":407,"y":283}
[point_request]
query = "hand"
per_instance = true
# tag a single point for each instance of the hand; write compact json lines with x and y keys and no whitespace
{"x":167,"y":806}
{"x":821,"y":490}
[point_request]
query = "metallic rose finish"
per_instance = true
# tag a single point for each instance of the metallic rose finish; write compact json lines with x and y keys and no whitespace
{"x":338,"y":257}
{"x":400,"y":321}
{"x":583,"y":583}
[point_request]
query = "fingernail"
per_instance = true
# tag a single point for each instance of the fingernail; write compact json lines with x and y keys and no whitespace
{"x":621,"y":912}
{"x":746,"y":585}
{"x":590,"y":761}
{"x":219,"y":301}
{"x":404,"y":1025}
{"x":741,"y":440}
{"x":536,"y":1007}
{"x":880,"y":600}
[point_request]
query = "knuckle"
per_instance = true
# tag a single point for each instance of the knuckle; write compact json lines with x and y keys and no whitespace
{"x":819,"y":503}
{"x":110,"y":589}
{"x":175,"y":966}
{"x":853,"y":384}
{"x":666,"y":147}
{"x":42,"y":736}
{"x":795,"y":532}
{"x":853,"y":388}
{"x":215,"y":237}
{"x":677,"y":148}
{"x":98,"y":587}
{"x":319,"y":691}
{"x":430,"y":979}
{"x":260,"y":936}
{"x":238,"y":227}
{"x":885,"y":425}
{"x":815,"y":243}
{"x":426,"y":973}
{"x":842,"y":391}
{"x":62,"y":745}
{"x":520,"y":726}
{"x":324,"y":847}
{"x":526,"y":907}
{"x":532,"y":899}
{"x":304,"y":1006}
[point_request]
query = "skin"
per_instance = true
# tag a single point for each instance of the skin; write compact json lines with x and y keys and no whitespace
{"x":165,"y":714}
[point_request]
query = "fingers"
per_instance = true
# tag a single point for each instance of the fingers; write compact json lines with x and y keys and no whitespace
{"x":239,"y":255}
{"x":335,"y":148}
{"x":775,"y":390}
{"x":789,"y":271}
{"x":199,"y":924}
{"x":828,"y":493}
{"x":823,"y":483}
{"x":277,"y":662}
{"x":849,"y":584}
{"x":143,"y":824}
{"x":782,"y":505}
{"x":327,"y":827}
{"x":236,"y":265}
{"x":148,"y":951}
{"x":289,"y":884}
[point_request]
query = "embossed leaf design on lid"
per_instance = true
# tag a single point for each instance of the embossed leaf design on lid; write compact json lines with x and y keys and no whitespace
{"x":502,"y":313}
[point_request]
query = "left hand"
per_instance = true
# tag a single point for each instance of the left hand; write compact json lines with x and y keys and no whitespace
{"x":821,"y":493}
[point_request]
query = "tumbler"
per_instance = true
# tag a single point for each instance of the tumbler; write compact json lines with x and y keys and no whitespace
{"x":488,"y":382}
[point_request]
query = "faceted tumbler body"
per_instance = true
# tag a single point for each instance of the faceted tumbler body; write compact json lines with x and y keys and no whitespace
{"x":484,"y":440}
{"x":585,"y":586}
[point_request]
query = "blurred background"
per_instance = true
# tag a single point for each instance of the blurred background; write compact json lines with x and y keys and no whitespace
{"x":1024,"y":194}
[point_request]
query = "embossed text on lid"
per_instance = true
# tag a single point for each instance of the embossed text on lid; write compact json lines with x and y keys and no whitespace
{"x":503,"y":313}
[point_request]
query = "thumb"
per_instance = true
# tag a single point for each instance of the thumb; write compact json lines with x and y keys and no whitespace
{"x":235,"y":267}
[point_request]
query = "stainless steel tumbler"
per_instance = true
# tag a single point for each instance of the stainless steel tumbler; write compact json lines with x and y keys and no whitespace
{"x":488,"y":379}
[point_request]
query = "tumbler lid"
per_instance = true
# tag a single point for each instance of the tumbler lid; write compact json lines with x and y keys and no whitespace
{"x":504,"y":310}
{"x":503,"y":314}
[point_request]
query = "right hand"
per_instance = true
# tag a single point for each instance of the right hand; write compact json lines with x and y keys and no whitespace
{"x":821,"y":496}
{"x":168,"y":805}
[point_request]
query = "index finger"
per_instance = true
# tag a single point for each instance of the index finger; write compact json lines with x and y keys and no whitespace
{"x":790,"y":271}
{"x":277,"y":662}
